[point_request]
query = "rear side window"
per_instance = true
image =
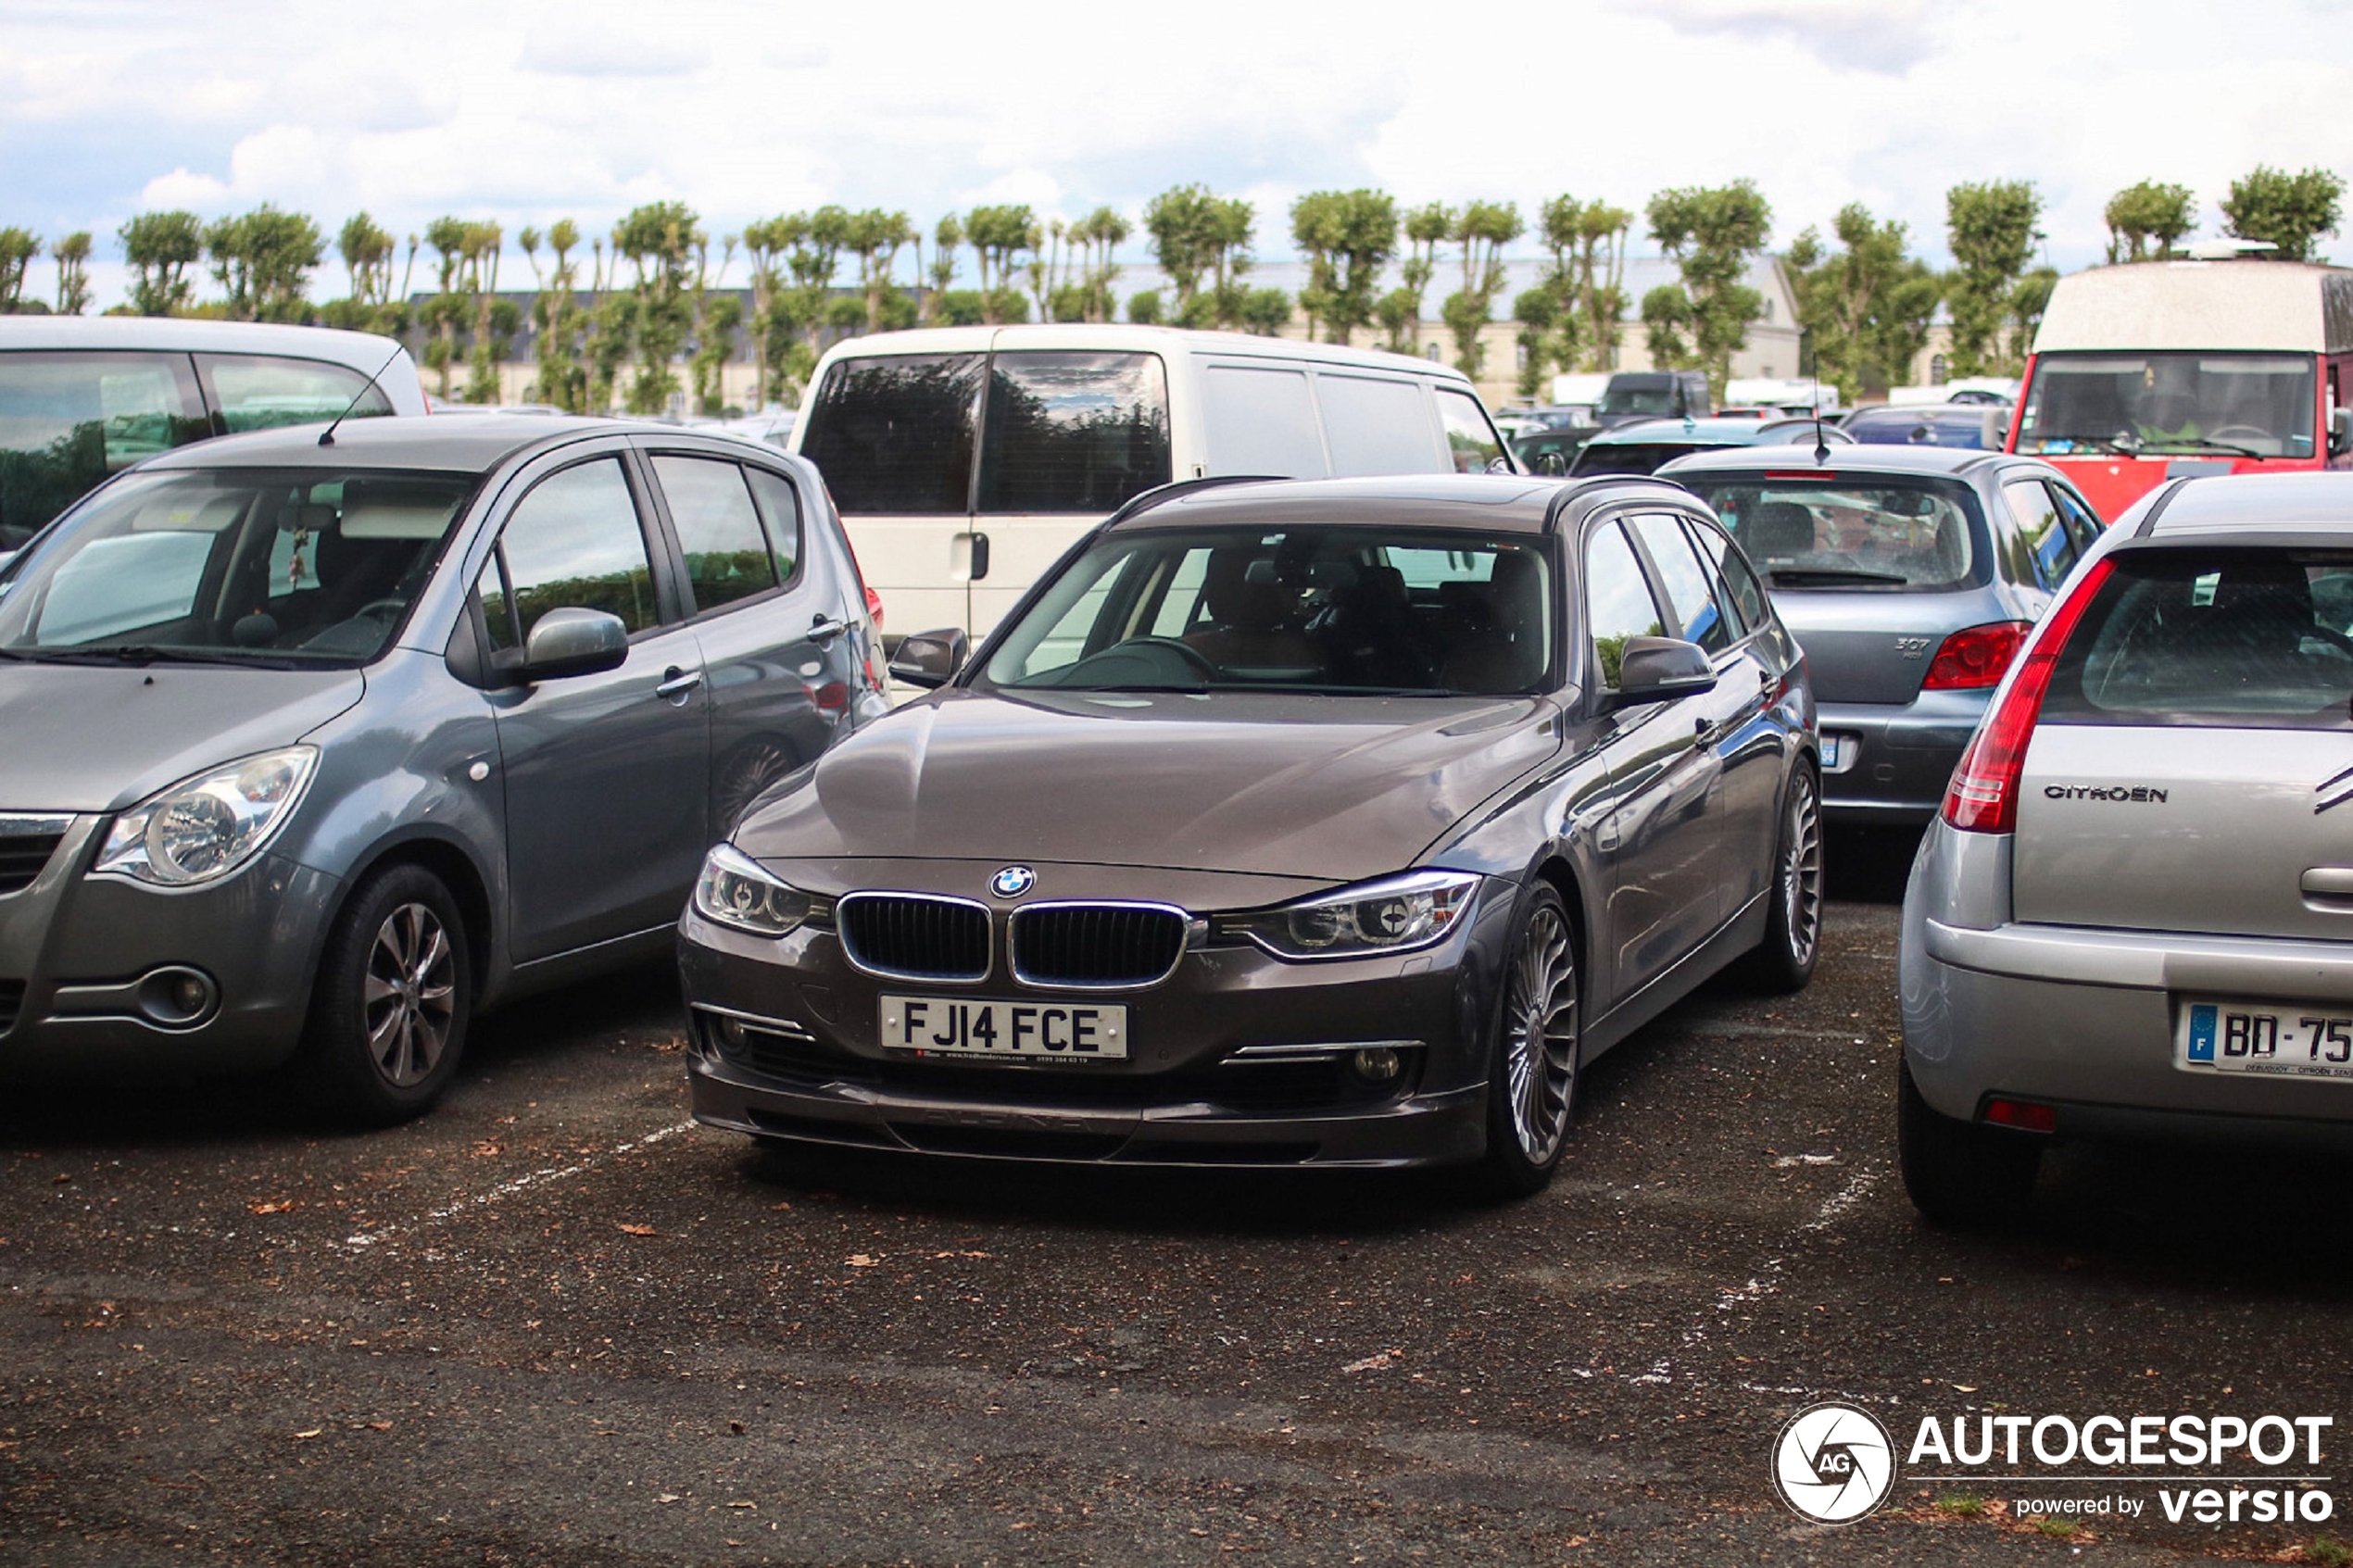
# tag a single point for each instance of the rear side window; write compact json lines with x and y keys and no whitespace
{"x":1698,"y":618}
{"x":1471,"y":439}
{"x":718,"y":530}
{"x":2049,"y":549}
{"x":262,"y":391}
{"x":780,"y":515}
{"x":1376,"y":425}
{"x":895,"y":434}
{"x":1260,"y":421}
{"x":573,"y":542}
{"x":1875,"y":534}
{"x":1073,"y":432}
{"x":69,"y":419}
{"x":2220,"y":639}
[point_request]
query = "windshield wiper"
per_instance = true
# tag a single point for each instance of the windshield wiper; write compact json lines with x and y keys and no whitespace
{"x":143,"y":653}
{"x":1797,"y":574}
{"x":2198,"y":444}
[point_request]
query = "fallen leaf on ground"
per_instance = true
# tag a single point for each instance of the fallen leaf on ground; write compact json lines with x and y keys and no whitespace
{"x":271,"y":1206}
{"x":963,"y":1254}
{"x":1375,"y":1362}
{"x":860,"y":1260}
{"x":303,"y":1436}
{"x":666,"y":1497}
{"x":637,"y":1230}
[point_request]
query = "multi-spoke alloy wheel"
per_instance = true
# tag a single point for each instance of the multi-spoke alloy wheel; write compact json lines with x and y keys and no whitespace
{"x":388,"y":1016}
{"x":407,"y":995}
{"x":1540,"y":1040}
{"x":1784,"y":960}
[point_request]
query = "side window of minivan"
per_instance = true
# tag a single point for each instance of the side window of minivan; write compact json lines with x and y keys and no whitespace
{"x":68,"y":419}
{"x":1260,"y":420}
{"x":573,"y":542}
{"x":1470,"y":438}
{"x":896,"y":434}
{"x":1072,"y":432}
{"x":1376,"y":425}
{"x":262,"y":391}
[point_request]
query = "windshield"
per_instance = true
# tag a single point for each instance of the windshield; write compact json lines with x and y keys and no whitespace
{"x":1889,"y":535}
{"x":290,"y":568}
{"x":1622,"y":400}
{"x":2233,"y":404}
{"x":1356,"y":610}
{"x":1629,"y":456}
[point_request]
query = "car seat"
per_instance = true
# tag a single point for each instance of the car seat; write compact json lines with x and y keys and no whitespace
{"x":1253,"y":610}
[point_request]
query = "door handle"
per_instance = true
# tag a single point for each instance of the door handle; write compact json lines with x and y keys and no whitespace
{"x":676,"y":683}
{"x":821,"y":630}
{"x":2330,"y":886}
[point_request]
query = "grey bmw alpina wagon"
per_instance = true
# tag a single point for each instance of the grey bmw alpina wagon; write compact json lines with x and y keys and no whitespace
{"x":312,"y":743}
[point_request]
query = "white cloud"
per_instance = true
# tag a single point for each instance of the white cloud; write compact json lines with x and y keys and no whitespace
{"x":533,"y":109}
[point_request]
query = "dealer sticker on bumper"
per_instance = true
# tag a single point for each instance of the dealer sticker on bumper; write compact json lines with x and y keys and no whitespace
{"x":2269,"y":1039}
{"x":967,"y":1026}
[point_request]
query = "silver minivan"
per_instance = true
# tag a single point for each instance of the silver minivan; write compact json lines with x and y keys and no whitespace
{"x":317,"y":740}
{"x":2134,"y":915}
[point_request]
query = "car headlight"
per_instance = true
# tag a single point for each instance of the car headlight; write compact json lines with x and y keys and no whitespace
{"x":735,"y":891}
{"x":208,"y":827}
{"x":1393,"y":915}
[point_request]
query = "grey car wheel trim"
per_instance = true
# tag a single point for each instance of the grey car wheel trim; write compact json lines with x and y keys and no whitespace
{"x":1539,"y":1064}
{"x":1801,"y":887}
{"x":406,"y":1000}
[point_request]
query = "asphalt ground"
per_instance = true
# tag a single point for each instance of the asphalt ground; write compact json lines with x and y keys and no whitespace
{"x":553,"y":1323}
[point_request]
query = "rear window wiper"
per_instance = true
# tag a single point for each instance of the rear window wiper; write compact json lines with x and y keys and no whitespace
{"x":1794,"y":575}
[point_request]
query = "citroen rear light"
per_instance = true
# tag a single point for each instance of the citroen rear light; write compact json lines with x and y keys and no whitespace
{"x":1983,"y":797}
{"x":1976,"y":657}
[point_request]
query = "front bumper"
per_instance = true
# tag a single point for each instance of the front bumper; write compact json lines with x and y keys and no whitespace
{"x":1902,"y":755}
{"x":2083,"y":1021}
{"x":74,"y":949}
{"x":785,"y":1045}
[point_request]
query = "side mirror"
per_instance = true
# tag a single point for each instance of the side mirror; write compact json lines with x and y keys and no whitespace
{"x":1500,"y":463}
{"x":2340,"y":432}
{"x":930,"y":659}
{"x":1654,"y":668}
{"x":574,"y":641}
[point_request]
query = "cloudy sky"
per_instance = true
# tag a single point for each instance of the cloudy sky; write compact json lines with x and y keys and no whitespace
{"x":526,"y":111}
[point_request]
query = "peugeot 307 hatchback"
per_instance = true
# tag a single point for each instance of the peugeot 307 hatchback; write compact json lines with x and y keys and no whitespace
{"x":1323,"y":823}
{"x":2134,"y":914}
{"x":316,"y":742}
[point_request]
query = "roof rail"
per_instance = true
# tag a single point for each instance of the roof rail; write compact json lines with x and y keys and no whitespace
{"x":1135,"y":505}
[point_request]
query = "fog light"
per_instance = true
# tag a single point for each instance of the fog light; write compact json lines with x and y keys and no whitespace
{"x":176,"y":998}
{"x":1378,"y":1063}
{"x":2026,"y":1118}
{"x":732,"y":1030}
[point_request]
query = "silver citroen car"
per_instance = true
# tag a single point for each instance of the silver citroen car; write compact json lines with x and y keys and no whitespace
{"x":2132,"y":916}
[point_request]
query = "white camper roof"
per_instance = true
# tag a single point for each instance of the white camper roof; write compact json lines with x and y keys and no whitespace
{"x":2212,"y":305}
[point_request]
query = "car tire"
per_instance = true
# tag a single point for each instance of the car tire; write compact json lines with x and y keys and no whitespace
{"x":389,"y":1010}
{"x":1785,"y":961}
{"x":1534,"y":1069}
{"x":1958,"y":1173}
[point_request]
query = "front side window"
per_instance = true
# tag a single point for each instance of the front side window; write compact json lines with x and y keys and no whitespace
{"x":288,"y":568}
{"x":1073,"y":432}
{"x":2230,"y":404}
{"x":719,"y":531}
{"x":573,"y":542}
{"x":2216,"y":638}
{"x":1881,"y":534}
{"x":262,"y":391}
{"x":1342,"y":608}
{"x":1698,"y":617}
{"x":69,"y":419}
{"x":894,"y":434}
{"x":1470,"y":438}
{"x":1618,"y":606}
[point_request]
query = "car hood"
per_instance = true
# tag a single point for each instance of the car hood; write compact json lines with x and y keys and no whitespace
{"x":98,"y":738}
{"x":1333,"y":789}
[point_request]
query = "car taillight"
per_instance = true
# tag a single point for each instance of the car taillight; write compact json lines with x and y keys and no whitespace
{"x":1976,"y":657}
{"x":1983,"y":797}
{"x":874,"y":609}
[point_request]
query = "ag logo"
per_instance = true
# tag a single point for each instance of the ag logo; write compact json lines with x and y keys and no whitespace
{"x":1012,"y":881}
{"x":1834,"y":1464}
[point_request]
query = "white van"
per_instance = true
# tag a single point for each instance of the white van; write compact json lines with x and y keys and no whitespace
{"x":965,"y":459}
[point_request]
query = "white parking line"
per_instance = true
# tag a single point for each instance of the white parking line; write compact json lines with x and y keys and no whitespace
{"x":364,"y":1239}
{"x":1767,"y":1280}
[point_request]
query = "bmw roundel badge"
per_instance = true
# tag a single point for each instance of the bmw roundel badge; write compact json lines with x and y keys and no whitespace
{"x":1012,"y":881}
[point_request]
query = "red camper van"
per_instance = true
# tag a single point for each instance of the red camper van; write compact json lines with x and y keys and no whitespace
{"x":2156,"y":368}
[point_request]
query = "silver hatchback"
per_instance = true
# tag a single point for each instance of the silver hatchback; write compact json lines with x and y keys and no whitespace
{"x":2133,"y":915}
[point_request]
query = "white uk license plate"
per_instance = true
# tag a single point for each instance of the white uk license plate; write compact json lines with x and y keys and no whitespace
{"x":2268,"y":1039}
{"x":972,"y":1026}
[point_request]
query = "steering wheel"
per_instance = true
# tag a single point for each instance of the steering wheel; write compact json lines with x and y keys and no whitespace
{"x":2240,"y":434}
{"x":1145,"y":651}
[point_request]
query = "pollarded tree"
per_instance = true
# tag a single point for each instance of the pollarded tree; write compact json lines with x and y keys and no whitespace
{"x":876,"y":237}
{"x":264,"y":260}
{"x":947,"y":239}
{"x":1347,"y":237}
{"x":659,"y":241}
{"x":1865,"y":308}
{"x":19,"y":249}
{"x":1400,"y":310}
{"x":2294,"y":212}
{"x":445,"y":313}
{"x":1201,"y":241}
{"x":72,"y":257}
{"x":161,"y":247}
{"x":2148,"y":212}
{"x":556,"y":319}
{"x":483,"y":244}
{"x":1992,"y":229}
{"x":1538,"y":312}
{"x":1588,"y":277}
{"x":1482,"y":231}
{"x":1713,"y":233}
{"x":1000,"y":238}
{"x":1098,"y":237}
